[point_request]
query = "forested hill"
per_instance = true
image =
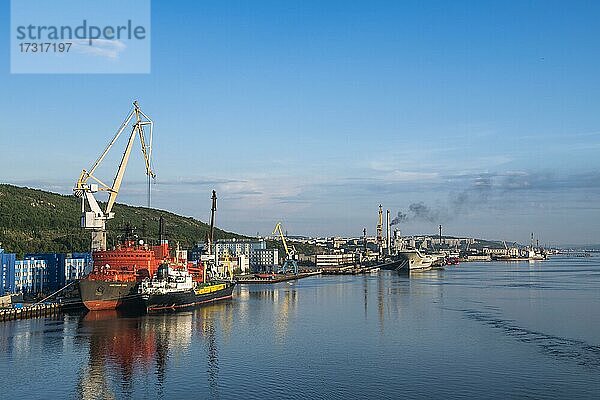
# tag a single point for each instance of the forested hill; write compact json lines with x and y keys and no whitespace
{"x":34,"y":221}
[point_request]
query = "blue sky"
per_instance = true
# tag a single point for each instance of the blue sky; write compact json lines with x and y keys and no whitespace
{"x":314,"y":113}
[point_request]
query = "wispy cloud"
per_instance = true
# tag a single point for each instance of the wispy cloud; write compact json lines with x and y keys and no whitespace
{"x":104,"y":48}
{"x":193,"y":181}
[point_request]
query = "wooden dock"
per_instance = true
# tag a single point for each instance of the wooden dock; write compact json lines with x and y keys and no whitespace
{"x":350,"y":270}
{"x":33,"y":311}
{"x":277,"y":278}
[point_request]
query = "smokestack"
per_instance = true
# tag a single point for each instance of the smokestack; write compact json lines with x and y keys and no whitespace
{"x":440,"y":235}
{"x":161,"y":230}
{"x":531,"y":240}
{"x":388,"y":233}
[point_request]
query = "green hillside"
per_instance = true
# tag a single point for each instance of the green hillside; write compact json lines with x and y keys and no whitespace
{"x":34,"y":220}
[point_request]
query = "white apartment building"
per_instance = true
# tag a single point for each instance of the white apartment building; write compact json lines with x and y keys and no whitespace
{"x":31,"y":275}
{"x":239,"y":246}
{"x":265,"y":260}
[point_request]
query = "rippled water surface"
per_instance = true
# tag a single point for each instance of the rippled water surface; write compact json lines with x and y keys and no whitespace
{"x":491,"y":330}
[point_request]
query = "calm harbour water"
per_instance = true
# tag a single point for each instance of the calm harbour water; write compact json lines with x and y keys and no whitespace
{"x":478,"y":330}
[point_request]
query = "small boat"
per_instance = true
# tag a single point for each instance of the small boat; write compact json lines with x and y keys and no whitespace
{"x":174,"y":289}
{"x":452,"y":260}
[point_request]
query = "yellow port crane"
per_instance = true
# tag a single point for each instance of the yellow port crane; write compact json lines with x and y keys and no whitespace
{"x":93,"y":217}
{"x":290,"y":253}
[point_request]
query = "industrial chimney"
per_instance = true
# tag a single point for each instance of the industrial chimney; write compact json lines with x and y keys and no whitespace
{"x":388,"y":233}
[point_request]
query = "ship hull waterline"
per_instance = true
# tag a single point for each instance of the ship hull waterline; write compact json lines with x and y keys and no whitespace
{"x":184,"y":300}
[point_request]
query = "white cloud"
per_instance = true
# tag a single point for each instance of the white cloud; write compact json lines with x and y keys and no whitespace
{"x":410,"y":176}
{"x":100,"y":48}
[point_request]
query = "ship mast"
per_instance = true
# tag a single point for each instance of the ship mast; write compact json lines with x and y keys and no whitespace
{"x":211,"y":233}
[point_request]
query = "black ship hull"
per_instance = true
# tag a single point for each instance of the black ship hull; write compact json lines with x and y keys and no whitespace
{"x":390,"y":265}
{"x":109,"y":295}
{"x":184,"y":299}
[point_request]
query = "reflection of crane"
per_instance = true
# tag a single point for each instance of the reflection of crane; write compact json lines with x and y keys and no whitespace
{"x":365,"y":250}
{"x":95,"y":219}
{"x":290,"y":253}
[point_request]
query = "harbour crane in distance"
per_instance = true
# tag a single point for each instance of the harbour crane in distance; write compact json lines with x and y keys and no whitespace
{"x":290,"y":253}
{"x":93,"y":218}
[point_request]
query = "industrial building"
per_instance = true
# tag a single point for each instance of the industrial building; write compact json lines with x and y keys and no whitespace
{"x":264,"y":260}
{"x":7,"y":272}
{"x":336,"y":260}
{"x":239,"y":246}
{"x":250,"y":254}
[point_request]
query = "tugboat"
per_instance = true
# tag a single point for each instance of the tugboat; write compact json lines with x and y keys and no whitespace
{"x":178,"y":285}
{"x":175,"y":289}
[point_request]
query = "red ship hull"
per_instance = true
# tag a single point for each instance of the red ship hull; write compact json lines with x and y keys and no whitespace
{"x":101,"y":305}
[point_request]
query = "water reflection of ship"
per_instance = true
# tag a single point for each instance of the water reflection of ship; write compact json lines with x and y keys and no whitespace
{"x":388,"y":295}
{"x":120,"y":343}
{"x":207,"y":317}
{"x":115,"y":344}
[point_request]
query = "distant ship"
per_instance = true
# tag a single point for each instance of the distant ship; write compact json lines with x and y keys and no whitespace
{"x":415,"y":261}
{"x":174,"y":289}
